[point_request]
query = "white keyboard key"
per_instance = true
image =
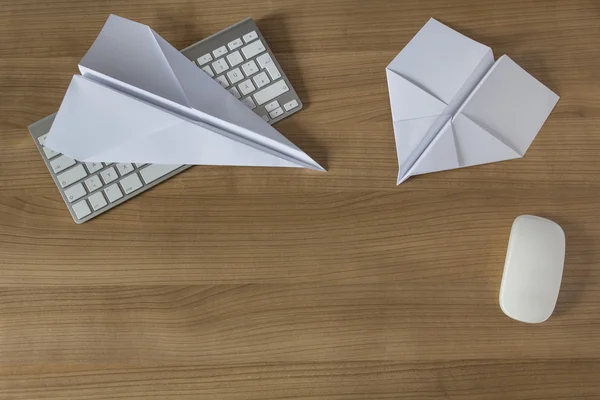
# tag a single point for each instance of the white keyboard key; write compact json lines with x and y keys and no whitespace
{"x":75,"y":192}
{"x":233,"y":90}
{"x":109,"y":175}
{"x":124,"y":168}
{"x":208,"y":70}
{"x":253,"y":49}
{"x":235,"y":58}
{"x":131,"y":183}
{"x":246,"y":87}
{"x":138,"y":165}
{"x":272,"y":105}
{"x":265,"y":117}
{"x":155,"y":171}
{"x":234,"y":44}
{"x":81,"y":209}
{"x":222,"y":81}
{"x":249,"y":103}
{"x":113,"y":193}
{"x":250,"y":68}
{"x":61,"y":163}
{"x":270,"y":92}
{"x":235,"y":76}
{"x":204,"y":59}
{"x":261,"y":80}
{"x":276,"y":113}
{"x":290,"y":105}
{"x":93,"y":166}
{"x":93,"y":183}
{"x":97,"y":201}
{"x":250,"y":36}
{"x":221,"y":51}
{"x":266,"y":62}
{"x":72,"y":175}
{"x":48,"y":152}
{"x":220,"y":66}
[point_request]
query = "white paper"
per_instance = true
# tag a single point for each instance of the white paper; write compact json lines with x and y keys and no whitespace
{"x":140,"y":100}
{"x":453,"y":106}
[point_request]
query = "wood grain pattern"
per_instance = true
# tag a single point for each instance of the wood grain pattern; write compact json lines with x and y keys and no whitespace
{"x":238,"y":283}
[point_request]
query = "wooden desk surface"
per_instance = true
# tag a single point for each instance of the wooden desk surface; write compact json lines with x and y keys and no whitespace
{"x":238,"y":283}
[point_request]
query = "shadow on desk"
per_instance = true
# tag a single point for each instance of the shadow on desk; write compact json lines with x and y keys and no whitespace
{"x":577,"y":269}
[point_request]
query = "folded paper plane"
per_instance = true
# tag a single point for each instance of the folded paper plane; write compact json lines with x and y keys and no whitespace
{"x":140,"y":100}
{"x":453,"y":106}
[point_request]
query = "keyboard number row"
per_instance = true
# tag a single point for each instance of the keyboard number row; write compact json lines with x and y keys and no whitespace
{"x":221,"y":51}
{"x":250,"y":36}
{"x":234,"y":44}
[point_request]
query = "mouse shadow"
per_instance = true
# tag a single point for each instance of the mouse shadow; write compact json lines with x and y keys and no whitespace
{"x":274,"y":29}
{"x":577,"y":268}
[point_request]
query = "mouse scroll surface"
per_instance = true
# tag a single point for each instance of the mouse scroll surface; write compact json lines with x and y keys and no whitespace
{"x":533,"y":269}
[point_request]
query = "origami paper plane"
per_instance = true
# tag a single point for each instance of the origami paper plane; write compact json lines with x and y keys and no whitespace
{"x":453,"y":106}
{"x":140,"y":100}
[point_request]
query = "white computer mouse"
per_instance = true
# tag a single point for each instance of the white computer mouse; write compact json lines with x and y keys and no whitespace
{"x":533,"y":269}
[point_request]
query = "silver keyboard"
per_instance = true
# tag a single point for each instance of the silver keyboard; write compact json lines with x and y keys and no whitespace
{"x":241,"y":61}
{"x":238,"y":58}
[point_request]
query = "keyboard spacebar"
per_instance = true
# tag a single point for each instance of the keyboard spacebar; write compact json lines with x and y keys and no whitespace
{"x":270,"y":92}
{"x":154,"y":171}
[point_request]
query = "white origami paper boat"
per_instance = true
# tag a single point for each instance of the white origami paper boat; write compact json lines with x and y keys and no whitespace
{"x":140,"y":100}
{"x":453,"y":106}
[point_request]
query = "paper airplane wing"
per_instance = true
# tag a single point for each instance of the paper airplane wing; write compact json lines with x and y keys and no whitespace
{"x":440,"y":60}
{"x":497,"y":122}
{"x":140,"y":132}
{"x":414,"y":112}
{"x":127,"y":52}
{"x":510,"y":104}
{"x":427,"y":81}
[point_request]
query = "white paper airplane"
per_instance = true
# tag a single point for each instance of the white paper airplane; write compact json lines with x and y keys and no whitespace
{"x":140,"y":100}
{"x":453,"y":106}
